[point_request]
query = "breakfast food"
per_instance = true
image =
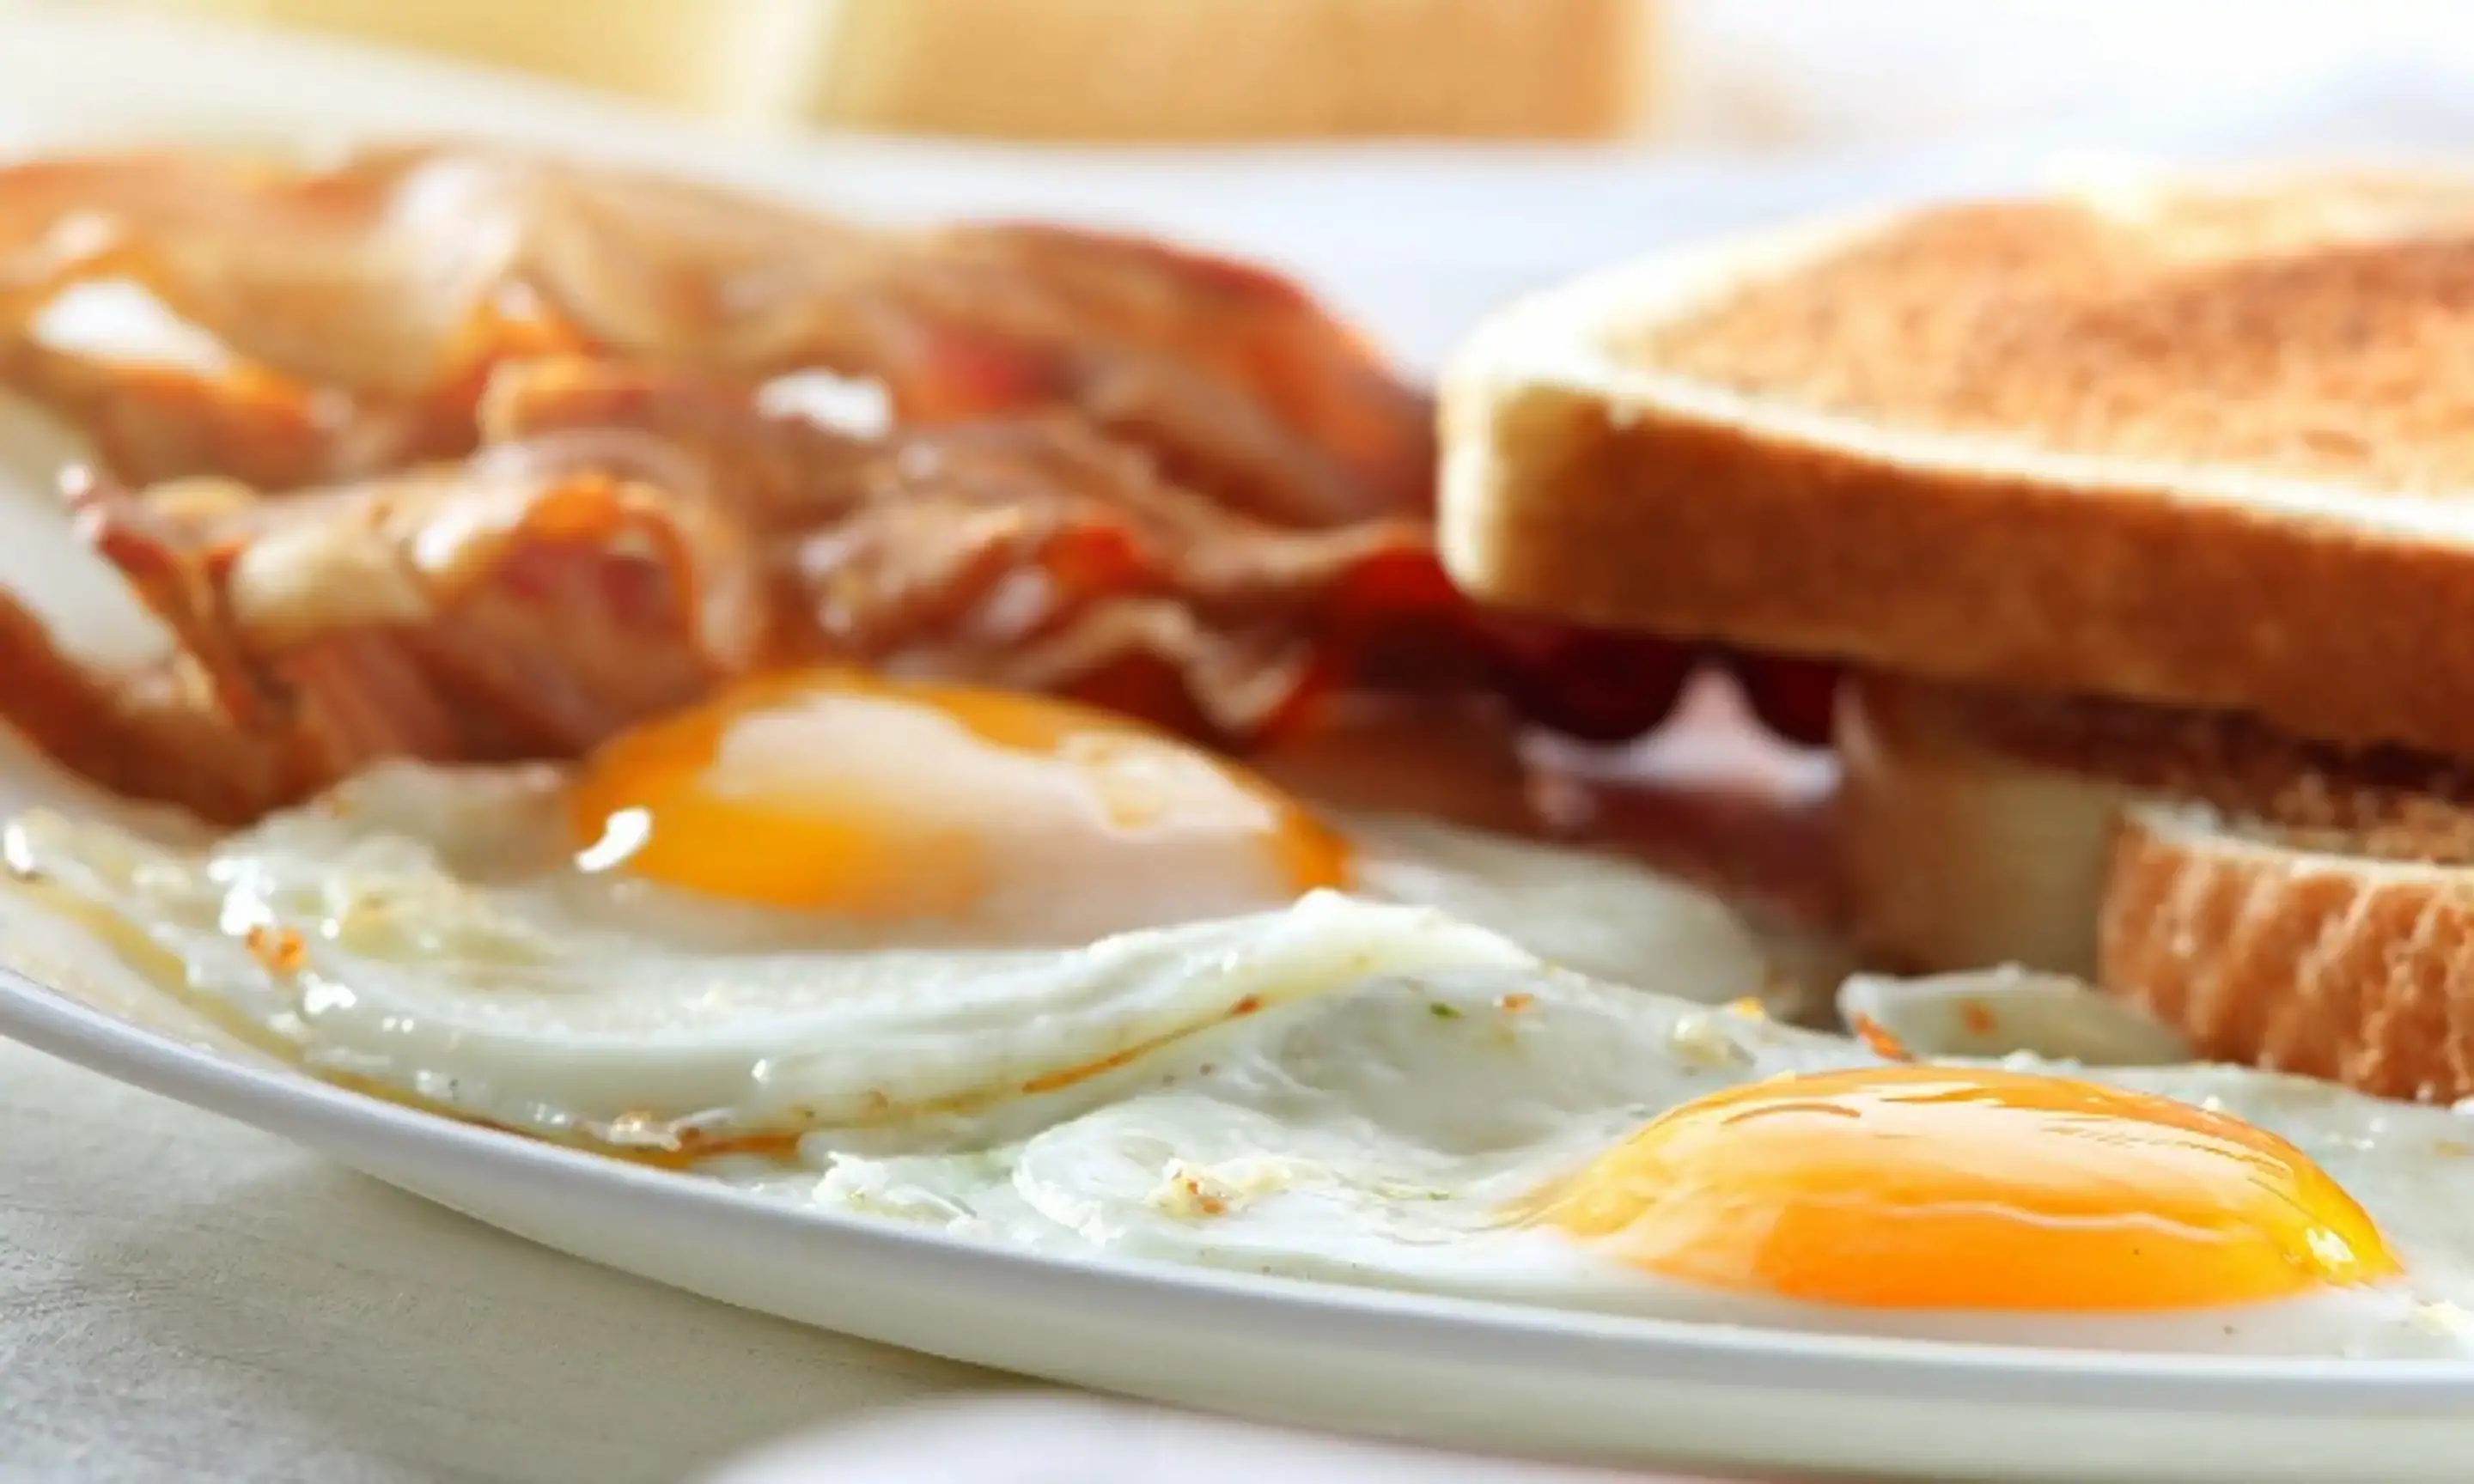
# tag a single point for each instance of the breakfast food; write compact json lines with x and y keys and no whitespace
{"x":2275,"y":949}
{"x":825,"y":876}
{"x":2287,"y":904}
{"x":1121,"y":71}
{"x":2143,"y":497}
{"x":295,"y":326}
{"x":1224,"y":70}
{"x":1345,"y":1088}
{"x":468,"y":455}
{"x":572,"y":721}
{"x":1230,"y":1036}
{"x":1641,"y":1156}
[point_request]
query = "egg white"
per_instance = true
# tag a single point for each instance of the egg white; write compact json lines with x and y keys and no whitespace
{"x":450,"y":951}
{"x":1382,"y":1135}
{"x":1355,"y":1088}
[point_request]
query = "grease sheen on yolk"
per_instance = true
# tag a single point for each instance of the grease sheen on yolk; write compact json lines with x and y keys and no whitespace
{"x":1020,"y":817}
{"x":1939,"y":1187}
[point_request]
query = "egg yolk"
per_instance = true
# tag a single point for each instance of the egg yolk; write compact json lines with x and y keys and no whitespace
{"x":1938,"y":1187}
{"x":891,"y":801}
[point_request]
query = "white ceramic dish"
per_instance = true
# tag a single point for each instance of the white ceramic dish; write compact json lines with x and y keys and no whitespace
{"x":1449,"y":1371}
{"x":1442,"y":1370}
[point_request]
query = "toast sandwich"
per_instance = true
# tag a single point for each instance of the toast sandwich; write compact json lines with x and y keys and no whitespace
{"x":2144,"y":524}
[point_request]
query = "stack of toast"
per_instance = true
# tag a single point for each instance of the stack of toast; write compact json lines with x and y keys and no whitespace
{"x":2140,"y":522}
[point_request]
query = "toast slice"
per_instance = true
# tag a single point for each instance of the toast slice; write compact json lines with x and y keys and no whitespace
{"x":2273,"y":949}
{"x":2286,"y":903}
{"x":2202,"y":446}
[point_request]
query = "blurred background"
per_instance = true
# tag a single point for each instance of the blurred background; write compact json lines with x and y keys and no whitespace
{"x":1417,"y":161}
{"x":1729,"y":74}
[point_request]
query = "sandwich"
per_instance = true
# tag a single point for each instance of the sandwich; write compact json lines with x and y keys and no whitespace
{"x":2139,"y":525}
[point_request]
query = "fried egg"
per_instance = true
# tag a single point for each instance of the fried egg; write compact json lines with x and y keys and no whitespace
{"x":826,"y":898}
{"x":1526,"y":1134}
{"x":1016,"y":969}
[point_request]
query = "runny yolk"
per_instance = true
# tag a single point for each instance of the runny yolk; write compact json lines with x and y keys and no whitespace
{"x":1947,"y":1188}
{"x":889,"y":801}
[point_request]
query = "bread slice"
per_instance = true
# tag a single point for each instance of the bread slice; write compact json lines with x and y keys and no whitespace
{"x":1218,"y":70}
{"x":2276,"y":902}
{"x":2275,"y":950}
{"x":2202,"y":446}
{"x":1139,"y":71}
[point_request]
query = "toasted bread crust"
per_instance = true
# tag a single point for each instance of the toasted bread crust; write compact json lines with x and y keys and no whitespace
{"x":1585,"y":481}
{"x":2310,"y":915}
{"x":1657,"y":519}
{"x":2291,"y":958}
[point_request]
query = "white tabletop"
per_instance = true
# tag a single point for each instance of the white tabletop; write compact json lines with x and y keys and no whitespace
{"x":183,"y":1296}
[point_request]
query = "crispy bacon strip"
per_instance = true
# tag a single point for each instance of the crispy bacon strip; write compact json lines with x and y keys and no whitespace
{"x":629,"y":541}
{"x":387,"y":287}
{"x":149,"y":424}
{"x":1032,"y":553}
{"x":1038,"y":541}
{"x":630,"y":537}
{"x":480,"y":613}
{"x":472,"y":455}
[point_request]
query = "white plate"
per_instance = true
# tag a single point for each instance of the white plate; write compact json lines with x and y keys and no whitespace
{"x":1442,"y":1370}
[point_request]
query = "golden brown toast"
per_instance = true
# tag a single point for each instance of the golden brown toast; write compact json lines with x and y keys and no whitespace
{"x":2267,"y":946}
{"x":2275,"y":901}
{"x":2202,"y":446}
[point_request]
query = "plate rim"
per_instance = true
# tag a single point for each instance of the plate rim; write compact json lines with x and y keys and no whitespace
{"x":1276,"y":1308}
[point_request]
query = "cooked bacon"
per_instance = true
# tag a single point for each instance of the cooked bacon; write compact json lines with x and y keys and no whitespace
{"x":389,"y":285}
{"x":469,"y":615}
{"x":1031,"y":553}
{"x":150,"y":423}
{"x":1204,"y":327}
{"x":629,"y":539}
{"x":480,"y":456}
{"x":152,"y":733}
{"x":582,"y":573}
